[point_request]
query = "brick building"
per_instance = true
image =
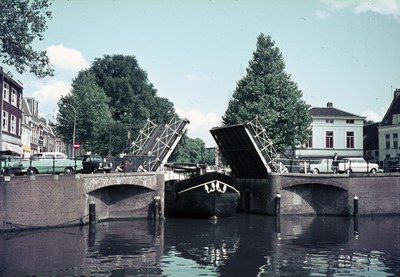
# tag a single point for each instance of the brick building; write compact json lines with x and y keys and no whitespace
{"x":11,"y":114}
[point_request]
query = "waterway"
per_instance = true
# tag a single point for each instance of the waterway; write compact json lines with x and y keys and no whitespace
{"x":245,"y":245}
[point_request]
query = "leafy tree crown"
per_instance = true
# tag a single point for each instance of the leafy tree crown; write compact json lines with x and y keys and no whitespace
{"x":268,"y":92}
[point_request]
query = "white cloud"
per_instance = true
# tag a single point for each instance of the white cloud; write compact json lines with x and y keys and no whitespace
{"x":388,"y":7}
{"x":195,"y":77}
{"x":385,"y":7}
{"x":66,"y":58}
{"x":49,"y":94}
{"x":322,"y":14}
{"x":375,"y":117}
{"x":200,"y":124}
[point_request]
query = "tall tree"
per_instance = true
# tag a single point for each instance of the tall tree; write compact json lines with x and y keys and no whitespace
{"x":268,"y":92}
{"x":133,"y":99}
{"x":93,"y":117}
{"x":22,"y":21}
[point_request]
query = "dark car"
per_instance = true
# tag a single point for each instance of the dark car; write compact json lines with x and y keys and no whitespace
{"x":94,"y":163}
{"x":394,"y":165}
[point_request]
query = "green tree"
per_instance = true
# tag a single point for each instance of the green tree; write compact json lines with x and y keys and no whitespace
{"x":268,"y":92}
{"x":133,"y":99}
{"x":210,"y":158}
{"x":181,"y":153}
{"x":22,"y":21}
{"x":197,"y":150}
{"x":190,"y":150}
{"x":92,"y":115}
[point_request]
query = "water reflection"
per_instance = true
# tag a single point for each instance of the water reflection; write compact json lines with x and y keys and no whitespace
{"x":246,"y":245}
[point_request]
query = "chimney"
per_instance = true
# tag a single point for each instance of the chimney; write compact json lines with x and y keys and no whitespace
{"x":396,"y":94}
{"x":329,"y":104}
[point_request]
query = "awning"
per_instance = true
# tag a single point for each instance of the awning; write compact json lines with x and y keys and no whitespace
{"x":26,"y":147}
{"x":13,"y":148}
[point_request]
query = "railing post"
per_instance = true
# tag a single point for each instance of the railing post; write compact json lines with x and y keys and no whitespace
{"x":54,"y":165}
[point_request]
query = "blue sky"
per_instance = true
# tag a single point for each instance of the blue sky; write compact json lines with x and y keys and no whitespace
{"x":345,"y":52}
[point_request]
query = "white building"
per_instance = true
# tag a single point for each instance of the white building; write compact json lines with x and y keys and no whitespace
{"x":333,"y":130}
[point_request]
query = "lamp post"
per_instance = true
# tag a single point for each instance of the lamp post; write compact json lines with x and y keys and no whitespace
{"x":73,"y":140}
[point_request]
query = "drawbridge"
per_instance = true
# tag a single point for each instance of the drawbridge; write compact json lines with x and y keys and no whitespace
{"x":247,"y":149}
{"x":155,"y":144}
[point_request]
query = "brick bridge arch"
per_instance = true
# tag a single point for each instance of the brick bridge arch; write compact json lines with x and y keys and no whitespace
{"x":97,"y":181}
{"x":123,"y":195}
{"x":290,"y":180}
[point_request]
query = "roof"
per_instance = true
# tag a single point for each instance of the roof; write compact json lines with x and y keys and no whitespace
{"x":9,"y":78}
{"x":393,"y":109}
{"x":331,"y":112}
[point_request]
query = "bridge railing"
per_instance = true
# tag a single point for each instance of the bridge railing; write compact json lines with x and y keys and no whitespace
{"x":320,"y":166}
{"x":30,"y":166}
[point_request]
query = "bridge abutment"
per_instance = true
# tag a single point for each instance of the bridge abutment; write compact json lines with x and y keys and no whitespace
{"x":329,"y":194}
{"x":48,"y":201}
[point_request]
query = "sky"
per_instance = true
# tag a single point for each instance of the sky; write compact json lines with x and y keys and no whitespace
{"x":195,"y":51}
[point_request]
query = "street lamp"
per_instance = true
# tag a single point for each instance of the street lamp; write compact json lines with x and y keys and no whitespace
{"x":73,"y":140}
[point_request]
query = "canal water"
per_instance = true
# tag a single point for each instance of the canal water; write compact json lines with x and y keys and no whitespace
{"x":245,"y":245}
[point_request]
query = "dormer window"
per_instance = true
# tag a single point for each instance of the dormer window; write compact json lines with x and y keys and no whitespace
{"x":396,"y":119}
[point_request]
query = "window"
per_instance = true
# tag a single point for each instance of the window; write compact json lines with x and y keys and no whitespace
{"x":329,"y":121}
{"x":395,"y":141}
{"x":13,"y":127}
{"x":350,"y":140}
{"x":6,"y":92}
{"x":350,"y":121}
{"x":20,"y":101}
{"x":387,"y":139}
{"x":14,"y":97}
{"x":309,"y":142}
{"x":5,"y":121}
{"x":329,"y":139}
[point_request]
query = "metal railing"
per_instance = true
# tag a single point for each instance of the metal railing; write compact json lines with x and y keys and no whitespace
{"x":321,"y":166}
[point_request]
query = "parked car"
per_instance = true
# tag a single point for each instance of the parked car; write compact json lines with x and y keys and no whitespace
{"x":47,"y":161}
{"x":348,"y":165}
{"x":94,"y":163}
{"x":10,"y":165}
{"x":394,"y":165}
{"x":321,"y":166}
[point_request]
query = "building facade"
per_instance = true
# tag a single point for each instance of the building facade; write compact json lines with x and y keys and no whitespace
{"x":389,"y":130}
{"x":333,"y":130}
{"x":11,"y":114}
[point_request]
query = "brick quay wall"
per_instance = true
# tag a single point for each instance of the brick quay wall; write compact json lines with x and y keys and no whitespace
{"x":48,"y":201}
{"x":323,"y":194}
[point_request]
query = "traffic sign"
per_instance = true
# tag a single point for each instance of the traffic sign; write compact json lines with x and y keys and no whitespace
{"x":76,"y":145}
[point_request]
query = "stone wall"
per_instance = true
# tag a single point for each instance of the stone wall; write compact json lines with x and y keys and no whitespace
{"x":47,"y":200}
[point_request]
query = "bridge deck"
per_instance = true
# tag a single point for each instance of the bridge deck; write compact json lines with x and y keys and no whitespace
{"x":240,"y":151}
